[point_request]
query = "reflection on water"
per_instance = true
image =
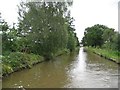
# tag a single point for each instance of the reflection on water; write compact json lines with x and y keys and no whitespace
{"x":92,"y":71}
{"x":76,"y":70}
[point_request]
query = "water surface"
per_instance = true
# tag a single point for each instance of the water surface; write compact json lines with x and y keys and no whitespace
{"x":75,"y":70}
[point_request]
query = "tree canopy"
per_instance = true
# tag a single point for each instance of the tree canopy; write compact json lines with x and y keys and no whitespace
{"x":43,"y":28}
{"x":101,"y":36}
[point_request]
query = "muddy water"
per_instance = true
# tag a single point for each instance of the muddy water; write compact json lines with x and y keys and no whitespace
{"x":75,"y":70}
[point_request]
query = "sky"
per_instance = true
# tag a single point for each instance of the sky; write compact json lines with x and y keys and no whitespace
{"x":85,"y":12}
{"x":90,"y":12}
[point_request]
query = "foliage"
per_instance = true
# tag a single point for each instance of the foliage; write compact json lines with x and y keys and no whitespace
{"x":106,"y":39}
{"x":45,"y":28}
{"x":8,"y":37}
{"x":110,"y":54}
{"x":102,"y":36}
{"x":17,"y":60}
{"x":93,"y":36}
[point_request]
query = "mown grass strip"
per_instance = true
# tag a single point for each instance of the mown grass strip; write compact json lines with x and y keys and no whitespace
{"x":106,"y":53}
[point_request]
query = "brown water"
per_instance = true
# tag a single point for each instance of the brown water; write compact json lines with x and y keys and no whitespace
{"x":76,"y":70}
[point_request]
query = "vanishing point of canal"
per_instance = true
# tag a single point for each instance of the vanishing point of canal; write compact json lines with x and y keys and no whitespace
{"x":76,"y":70}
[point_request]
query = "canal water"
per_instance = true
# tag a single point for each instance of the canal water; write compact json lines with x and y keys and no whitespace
{"x":76,"y":70}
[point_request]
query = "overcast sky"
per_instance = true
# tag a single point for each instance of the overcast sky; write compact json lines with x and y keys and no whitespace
{"x":85,"y":12}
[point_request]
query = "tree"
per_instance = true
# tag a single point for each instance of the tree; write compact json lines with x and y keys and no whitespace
{"x":9,"y":38}
{"x":73,"y":41}
{"x":93,"y":36}
{"x":44,"y":27}
{"x":100,"y":35}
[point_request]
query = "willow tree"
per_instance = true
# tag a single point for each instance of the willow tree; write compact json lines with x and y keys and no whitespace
{"x":44,"y":27}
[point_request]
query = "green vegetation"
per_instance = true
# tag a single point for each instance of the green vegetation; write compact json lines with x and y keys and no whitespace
{"x":103,"y":41}
{"x":17,"y":60}
{"x":106,"y":53}
{"x":45,"y":30}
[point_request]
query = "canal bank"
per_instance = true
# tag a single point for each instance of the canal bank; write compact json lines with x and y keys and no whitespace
{"x":107,"y":54}
{"x":17,"y":61}
{"x":76,"y":70}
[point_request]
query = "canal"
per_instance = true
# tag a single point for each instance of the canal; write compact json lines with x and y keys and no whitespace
{"x":76,"y":70}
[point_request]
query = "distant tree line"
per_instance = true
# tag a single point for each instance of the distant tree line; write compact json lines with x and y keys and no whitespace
{"x":101,"y":36}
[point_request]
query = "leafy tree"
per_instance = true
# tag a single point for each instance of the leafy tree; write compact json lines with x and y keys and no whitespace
{"x":93,"y":36}
{"x":8,"y":38}
{"x":73,"y":41}
{"x":108,"y":34}
{"x":44,"y":27}
{"x":100,"y":35}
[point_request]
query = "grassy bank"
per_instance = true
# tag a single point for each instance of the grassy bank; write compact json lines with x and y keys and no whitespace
{"x":106,"y":53}
{"x":16,"y":61}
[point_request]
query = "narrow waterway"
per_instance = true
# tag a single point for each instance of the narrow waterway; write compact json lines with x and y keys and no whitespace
{"x":75,"y":70}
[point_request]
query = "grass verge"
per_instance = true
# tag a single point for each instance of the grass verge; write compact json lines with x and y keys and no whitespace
{"x":106,"y":53}
{"x":16,"y":61}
